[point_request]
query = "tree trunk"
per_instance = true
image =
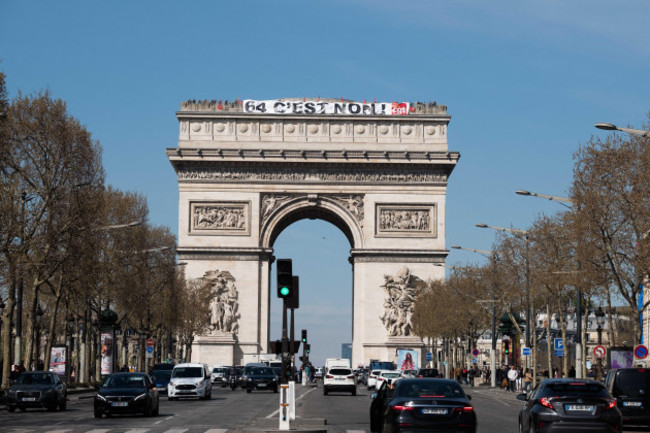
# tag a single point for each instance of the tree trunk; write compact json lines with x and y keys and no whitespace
{"x":51,"y":329}
{"x":6,"y":335}
{"x":549,"y":345}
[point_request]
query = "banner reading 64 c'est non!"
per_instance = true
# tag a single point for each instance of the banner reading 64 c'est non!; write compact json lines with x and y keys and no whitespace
{"x":276,"y":106}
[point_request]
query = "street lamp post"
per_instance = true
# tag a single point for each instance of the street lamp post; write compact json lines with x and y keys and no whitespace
{"x":600,"y":321}
{"x":523,"y":233}
{"x":568,"y":203}
{"x":493,"y":352}
{"x":610,"y":127}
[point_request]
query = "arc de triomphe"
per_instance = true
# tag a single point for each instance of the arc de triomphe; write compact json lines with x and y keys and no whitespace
{"x":248,"y":169}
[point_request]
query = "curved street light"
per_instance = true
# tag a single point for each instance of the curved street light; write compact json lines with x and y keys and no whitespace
{"x":611,"y":127}
{"x":564,"y":201}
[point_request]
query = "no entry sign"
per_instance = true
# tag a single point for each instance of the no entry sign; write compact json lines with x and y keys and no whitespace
{"x":641,"y":352}
{"x":600,"y":351}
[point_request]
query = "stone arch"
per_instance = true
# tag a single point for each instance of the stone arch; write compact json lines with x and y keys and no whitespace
{"x":311,"y":207}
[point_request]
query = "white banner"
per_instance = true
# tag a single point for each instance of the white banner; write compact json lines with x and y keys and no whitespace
{"x":275,"y":106}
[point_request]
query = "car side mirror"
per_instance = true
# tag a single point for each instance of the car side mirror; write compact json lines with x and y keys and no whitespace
{"x":522,"y":397}
{"x":469,"y":397}
{"x":97,"y":386}
{"x":373,"y":395}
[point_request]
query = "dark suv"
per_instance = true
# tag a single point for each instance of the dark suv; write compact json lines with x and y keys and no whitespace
{"x":37,"y":389}
{"x":631,"y":388}
{"x":261,"y":378}
{"x":428,"y":372}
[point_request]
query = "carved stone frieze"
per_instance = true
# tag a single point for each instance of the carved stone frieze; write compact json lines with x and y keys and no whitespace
{"x":220,"y":218}
{"x":401,"y":290}
{"x":406,"y":175}
{"x":270,"y":202}
{"x":399,"y":220}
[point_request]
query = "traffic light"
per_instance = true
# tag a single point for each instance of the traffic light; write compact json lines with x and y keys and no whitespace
{"x":285,"y":278}
{"x":304,"y":335}
{"x":506,"y":347}
{"x":307,"y":348}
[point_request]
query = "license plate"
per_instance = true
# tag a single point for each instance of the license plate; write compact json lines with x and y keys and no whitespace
{"x":579,"y":408}
{"x":434,"y":411}
{"x":632,"y":403}
{"x":162,"y":388}
{"x":120,"y":403}
{"x":29,"y":398}
{"x":261,"y":385}
{"x":340,"y":379}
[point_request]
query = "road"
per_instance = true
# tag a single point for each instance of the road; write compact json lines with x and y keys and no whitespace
{"x":236,"y":411}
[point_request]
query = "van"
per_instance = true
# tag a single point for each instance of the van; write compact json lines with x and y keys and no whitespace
{"x":631,"y":388}
{"x":336,"y":363}
{"x":190,"y":380}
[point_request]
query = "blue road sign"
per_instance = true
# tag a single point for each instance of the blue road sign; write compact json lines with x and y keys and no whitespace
{"x":558,"y":344}
{"x":526,"y":351}
{"x":559,"y":353}
{"x":149,"y":349}
{"x":429,"y":356}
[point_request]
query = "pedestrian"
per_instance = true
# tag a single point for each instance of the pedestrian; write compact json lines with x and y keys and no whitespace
{"x":512,"y":378}
{"x":572,"y":371}
{"x":528,"y":381}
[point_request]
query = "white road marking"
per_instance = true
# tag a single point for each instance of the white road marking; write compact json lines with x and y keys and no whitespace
{"x":177,"y":430}
{"x":98,"y":430}
{"x":277,"y":411}
{"x":216,"y":430}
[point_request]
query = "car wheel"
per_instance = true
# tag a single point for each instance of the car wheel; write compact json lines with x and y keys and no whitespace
{"x":325,"y":391}
{"x":157,"y":410}
{"x":11,"y":408}
{"x":98,"y":414}
{"x":354,"y":391}
{"x":275,"y":390}
{"x":52,"y":407}
{"x":22,"y":408}
{"x":63,"y":404}
{"x":249,"y":390}
{"x":373,"y":425}
{"x":209,"y":396}
{"x":531,"y":427}
{"x":170,"y":399}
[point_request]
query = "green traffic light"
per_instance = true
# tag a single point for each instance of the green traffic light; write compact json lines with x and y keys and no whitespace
{"x":284,"y":291}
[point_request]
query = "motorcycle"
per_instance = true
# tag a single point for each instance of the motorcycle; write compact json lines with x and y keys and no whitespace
{"x":233,"y":381}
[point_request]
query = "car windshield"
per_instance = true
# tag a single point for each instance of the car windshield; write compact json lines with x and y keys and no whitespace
{"x":219,"y":370}
{"x":124,"y":381}
{"x":262,"y":370}
{"x":161,"y":375}
{"x":340,"y":371}
{"x":187,"y":372}
{"x":421,"y":388}
{"x":35,"y":379}
{"x":573,"y":389}
{"x":390,"y":375}
{"x":632,"y":383}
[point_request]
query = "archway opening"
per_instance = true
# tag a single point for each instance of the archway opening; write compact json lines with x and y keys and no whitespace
{"x":319,"y":249}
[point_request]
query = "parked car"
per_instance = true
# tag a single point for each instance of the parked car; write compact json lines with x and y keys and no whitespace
{"x":163,"y":366}
{"x":318,"y":374}
{"x":260,"y":378}
{"x":574,"y":404}
{"x":161,"y":378}
{"x":408,"y":373}
{"x":340,"y":379}
{"x":127,"y":393}
{"x":631,"y":389}
{"x":422,"y":404}
{"x":190,"y":380}
{"x":37,"y":389}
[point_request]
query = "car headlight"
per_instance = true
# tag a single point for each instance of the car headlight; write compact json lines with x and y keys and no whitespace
{"x":140,"y":397}
{"x":100,"y":397}
{"x":11,"y":393}
{"x":172,"y":383}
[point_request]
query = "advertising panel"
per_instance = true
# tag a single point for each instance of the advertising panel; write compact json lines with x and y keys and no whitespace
{"x":407,"y":359}
{"x":107,"y":352}
{"x":58,"y":356}
{"x":620,"y":358}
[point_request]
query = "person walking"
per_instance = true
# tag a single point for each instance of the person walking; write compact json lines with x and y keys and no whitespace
{"x":512,"y":378}
{"x":528,"y":381}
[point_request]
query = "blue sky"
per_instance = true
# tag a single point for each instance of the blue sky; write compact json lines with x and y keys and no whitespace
{"x":524,"y":83}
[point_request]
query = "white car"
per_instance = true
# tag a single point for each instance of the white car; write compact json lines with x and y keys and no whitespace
{"x":340,"y":379}
{"x":409,"y":373}
{"x":391,"y":376}
{"x":372,"y":379}
{"x":190,"y":380}
{"x":217,"y":374}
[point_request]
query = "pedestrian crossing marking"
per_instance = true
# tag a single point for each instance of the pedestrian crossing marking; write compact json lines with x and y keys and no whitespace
{"x":99,"y":430}
{"x":216,"y":430}
{"x":177,"y":430}
{"x":138,"y":430}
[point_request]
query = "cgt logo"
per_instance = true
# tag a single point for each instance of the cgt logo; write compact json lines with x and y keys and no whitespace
{"x":400,"y":109}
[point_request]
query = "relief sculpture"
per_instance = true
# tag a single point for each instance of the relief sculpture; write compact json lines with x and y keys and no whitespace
{"x":412,"y":219}
{"x":224,"y":307}
{"x":220,"y":217}
{"x":353,"y":203}
{"x":401,"y":290}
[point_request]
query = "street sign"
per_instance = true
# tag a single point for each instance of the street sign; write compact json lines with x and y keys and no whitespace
{"x":559,"y":353}
{"x":525,"y":351}
{"x":641,"y":352}
{"x":475,"y":352}
{"x":429,"y":356}
{"x":558,"y":344}
{"x":600,"y":351}
{"x":149,"y":349}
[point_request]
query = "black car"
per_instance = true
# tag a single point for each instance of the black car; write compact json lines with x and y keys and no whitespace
{"x":161,"y":378}
{"x":631,"y":389}
{"x":424,"y":404}
{"x":124,"y":393}
{"x":37,"y":389}
{"x":569,"y":405}
{"x":261,"y":378}
{"x":427,"y":372}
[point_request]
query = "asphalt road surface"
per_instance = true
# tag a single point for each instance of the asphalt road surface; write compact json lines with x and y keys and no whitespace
{"x":237,"y":411}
